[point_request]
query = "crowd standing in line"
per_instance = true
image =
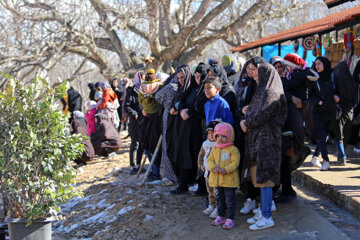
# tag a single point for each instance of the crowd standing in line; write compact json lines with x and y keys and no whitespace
{"x":227,"y":124}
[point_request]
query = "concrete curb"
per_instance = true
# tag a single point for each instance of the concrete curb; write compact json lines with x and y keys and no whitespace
{"x":342,"y":200}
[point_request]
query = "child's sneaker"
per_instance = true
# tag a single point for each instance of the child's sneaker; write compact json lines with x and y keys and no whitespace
{"x":218,"y":221}
{"x":273,"y":207}
{"x":248,"y":206}
{"x":262,"y":223}
{"x":209,"y":210}
{"x":229,"y":224}
{"x":255,"y":218}
{"x":214,"y":214}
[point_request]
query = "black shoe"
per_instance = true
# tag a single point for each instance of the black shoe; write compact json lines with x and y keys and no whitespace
{"x":134,"y":171}
{"x":153,"y":177}
{"x":284,"y":198}
{"x":178,"y":191}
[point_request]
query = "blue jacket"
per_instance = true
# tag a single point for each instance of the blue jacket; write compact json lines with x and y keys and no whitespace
{"x":218,"y":108}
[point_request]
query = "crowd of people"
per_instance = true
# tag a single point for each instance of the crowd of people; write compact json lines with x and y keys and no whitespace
{"x":228,"y":124}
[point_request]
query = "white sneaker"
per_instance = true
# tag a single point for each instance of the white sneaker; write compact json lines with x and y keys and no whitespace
{"x":193,"y":188}
{"x":315,"y":162}
{"x":325,"y":166}
{"x":254,"y":219}
{"x":209,"y":210}
{"x":357,"y":150}
{"x":248,"y":206}
{"x":214,"y":214}
{"x":262,"y":223}
{"x":273,"y":208}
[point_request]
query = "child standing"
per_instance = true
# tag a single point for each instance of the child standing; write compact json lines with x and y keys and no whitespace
{"x":216,"y":107}
{"x":223,"y":164}
{"x":202,"y":164}
{"x":90,"y":117}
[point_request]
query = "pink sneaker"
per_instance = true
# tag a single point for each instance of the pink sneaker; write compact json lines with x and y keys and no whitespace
{"x":229,"y":224}
{"x":218,"y":221}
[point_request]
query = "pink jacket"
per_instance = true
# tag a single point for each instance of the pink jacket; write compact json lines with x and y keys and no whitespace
{"x":90,"y":121}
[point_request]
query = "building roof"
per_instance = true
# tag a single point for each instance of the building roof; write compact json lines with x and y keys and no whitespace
{"x":336,"y":21}
{"x":333,"y":3}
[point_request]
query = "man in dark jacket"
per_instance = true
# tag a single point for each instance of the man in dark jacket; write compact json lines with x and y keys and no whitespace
{"x":133,"y":109}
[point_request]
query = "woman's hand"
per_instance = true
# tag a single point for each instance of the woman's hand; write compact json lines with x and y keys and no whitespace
{"x":296,"y":101}
{"x":144,"y":113}
{"x":173,"y":111}
{"x":243,"y":125}
{"x":244,"y":109}
{"x":216,"y":170}
{"x":202,"y":168}
{"x":184,"y":114}
{"x":320,"y":103}
{"x":336,"y":98}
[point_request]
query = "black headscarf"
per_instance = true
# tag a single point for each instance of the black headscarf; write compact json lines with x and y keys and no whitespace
{"x":202,"y":68}
{"x":326,"y":74}
{"x":218,"y":71}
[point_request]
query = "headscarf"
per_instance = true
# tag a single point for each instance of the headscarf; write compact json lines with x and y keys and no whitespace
{"x":326,"y":74}
{"x":227,"y":130}
{"x":91,"y":104}
{"x":104,"y":85}
{"x":276,"y":59}
{"x":230,"y":64}
{"x":188,"y":81}
{"x":138,"y":79}
{"x":345,"y":81}
{"x":269,"y":90}
{"x":78,"y":114}
{"x":257,"y":60}
{"x":219,"y":72}
{"x":120,"y":86}
{"x":202,"y":68}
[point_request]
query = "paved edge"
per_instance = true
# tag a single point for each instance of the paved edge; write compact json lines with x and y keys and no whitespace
{"x":342,"y":200}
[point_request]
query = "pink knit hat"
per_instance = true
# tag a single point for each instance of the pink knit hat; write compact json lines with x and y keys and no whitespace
{"x":225,"y":129}
{"x":294,"y":60}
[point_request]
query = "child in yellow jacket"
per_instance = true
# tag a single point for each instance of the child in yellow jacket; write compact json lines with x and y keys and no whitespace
{"x":223,"y":164}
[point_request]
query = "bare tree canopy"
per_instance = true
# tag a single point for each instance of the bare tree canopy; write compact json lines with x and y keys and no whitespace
{"x":111,"y":35}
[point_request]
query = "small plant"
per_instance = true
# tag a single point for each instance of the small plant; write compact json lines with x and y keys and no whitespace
{"x":35,"y":150}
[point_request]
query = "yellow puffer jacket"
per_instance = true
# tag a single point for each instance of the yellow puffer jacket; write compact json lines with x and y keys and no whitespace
{"x":229,"y":159}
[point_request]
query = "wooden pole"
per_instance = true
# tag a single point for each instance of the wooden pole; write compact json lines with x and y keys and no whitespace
{"x":152,"y":159}
{"x":141,"y":166}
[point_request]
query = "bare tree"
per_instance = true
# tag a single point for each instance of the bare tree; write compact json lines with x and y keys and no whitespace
{"x":38,"y":35}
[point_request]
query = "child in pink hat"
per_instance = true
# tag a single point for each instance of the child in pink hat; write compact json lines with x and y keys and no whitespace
{"x":223,"y":164}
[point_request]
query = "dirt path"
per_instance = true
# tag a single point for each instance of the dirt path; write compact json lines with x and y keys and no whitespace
{"x":115,"y":206}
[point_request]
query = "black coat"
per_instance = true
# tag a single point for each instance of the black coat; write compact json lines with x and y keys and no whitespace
{"x":184,"y":137}
{"x":132,"y":108}
{"x":323,"y":116}
{"x":297,"y":83}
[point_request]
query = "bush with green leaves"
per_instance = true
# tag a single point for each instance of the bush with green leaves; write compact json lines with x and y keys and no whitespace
{"x":35,"y":149}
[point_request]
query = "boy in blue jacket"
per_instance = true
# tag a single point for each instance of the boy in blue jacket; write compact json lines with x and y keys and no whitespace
{"x":216,"y":108}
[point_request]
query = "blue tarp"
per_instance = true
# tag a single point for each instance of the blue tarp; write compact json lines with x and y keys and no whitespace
{"x":272,"y":50}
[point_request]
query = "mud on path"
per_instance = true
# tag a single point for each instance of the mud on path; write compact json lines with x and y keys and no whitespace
{"x":115,"y":206}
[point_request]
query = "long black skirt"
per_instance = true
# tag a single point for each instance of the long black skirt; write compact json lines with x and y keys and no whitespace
{"x":150,"y":131}
{"x":183,"y":139}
